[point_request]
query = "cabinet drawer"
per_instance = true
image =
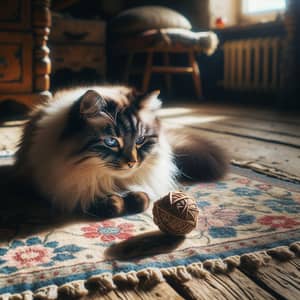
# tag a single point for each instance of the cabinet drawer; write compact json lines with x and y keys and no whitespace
{"x":79,"y":31}
{"x":15,"y":62}
{"x":77,"y":57}
{"x":14,"y":14}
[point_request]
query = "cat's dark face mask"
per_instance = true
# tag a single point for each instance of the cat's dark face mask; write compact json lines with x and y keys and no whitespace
{"x":121,"y":136}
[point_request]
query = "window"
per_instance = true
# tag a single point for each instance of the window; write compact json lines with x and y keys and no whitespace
{"x":262,"y":6}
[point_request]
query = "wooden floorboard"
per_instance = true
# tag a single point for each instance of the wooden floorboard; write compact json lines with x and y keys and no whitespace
{"x":281,"y":157}
{"x":232,"y":110}
{"x":235,"y":286}
{"x":9,"y":137}
{"x":232,"y":286}
{"x":269,"y":127}
{"x":160,"y":291}
{"x":248,"y":123}
{"x":281,"y":278}
{"x":216,"y":127}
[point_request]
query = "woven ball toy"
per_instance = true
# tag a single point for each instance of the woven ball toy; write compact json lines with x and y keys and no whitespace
{"x":176,"y":213}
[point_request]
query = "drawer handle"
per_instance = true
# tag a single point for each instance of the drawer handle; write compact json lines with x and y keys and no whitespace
{"x":75,"y":36}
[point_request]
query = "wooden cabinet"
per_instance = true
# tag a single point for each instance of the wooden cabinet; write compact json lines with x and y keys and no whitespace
{"x":78,"y":57}
{"x":78,"y":44}
{"x":15,"y":62}
{"x":78,"y":31}
{"x":15,"y":14}
{"x":24,"y":61}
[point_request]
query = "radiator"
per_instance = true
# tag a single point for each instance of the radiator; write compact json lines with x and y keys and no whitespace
{"x":252,"y":64}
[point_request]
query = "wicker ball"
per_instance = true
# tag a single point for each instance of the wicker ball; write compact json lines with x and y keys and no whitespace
{"x":176,"y":213}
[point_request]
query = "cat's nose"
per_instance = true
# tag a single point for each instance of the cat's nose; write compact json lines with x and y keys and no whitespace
{"x":131,"y":164}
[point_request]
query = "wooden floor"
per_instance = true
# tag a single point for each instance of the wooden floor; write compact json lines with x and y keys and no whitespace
{"x":260,"y":139}
{"x":264,"y":140}
{"x":239,"y":284}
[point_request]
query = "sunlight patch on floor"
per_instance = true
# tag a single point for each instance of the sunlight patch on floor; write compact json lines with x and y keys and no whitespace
{"x":190,"y":120}
{"x":174,"y":111}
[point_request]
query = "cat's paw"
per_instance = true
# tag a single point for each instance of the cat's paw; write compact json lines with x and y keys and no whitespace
{"x":115,"y":206}
{"x":136,"y":202}
{"x":108,"y":207}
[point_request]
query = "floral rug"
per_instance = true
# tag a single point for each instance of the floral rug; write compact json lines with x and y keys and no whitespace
{"x":238,"y":215}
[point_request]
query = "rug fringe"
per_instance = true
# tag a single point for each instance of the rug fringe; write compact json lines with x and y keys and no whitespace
{"x":146,"y":278}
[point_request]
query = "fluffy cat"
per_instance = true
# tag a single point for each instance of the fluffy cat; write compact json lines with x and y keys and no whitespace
{"x":103,"y":149}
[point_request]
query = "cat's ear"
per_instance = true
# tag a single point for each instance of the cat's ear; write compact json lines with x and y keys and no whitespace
{"x":91,"y":103}
{"x":149,"y":101}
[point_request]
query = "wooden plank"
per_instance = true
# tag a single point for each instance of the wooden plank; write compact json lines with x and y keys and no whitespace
{"x":170,"y":69}
{"x":195,"y":74}
{"x":168,"y":78}
{"x":9,"y":137}
{"x":251,"y":112}
{"x":94,"y":295}
{"x":257,"y":125}
{"x":234,"y":285}
{"x":264,"y":126}
{"x":241,"y":122}
{"x":220,"y":127}
{"x":280,"y":157}
{"x":256,"y":114}
{"x":281,"y":277}
{"x":160,"y":291}
{"x":148,"y":71}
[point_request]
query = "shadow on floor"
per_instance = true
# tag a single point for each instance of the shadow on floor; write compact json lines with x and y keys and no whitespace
{"x":144,"y":245}
{"x":23,"y":212}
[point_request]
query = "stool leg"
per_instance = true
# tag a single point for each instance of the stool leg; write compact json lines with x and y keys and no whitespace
{"x":196,"y":74}
{"x":167,"y":76}
{"x":128,"y":67}
{"x":148,"y":71}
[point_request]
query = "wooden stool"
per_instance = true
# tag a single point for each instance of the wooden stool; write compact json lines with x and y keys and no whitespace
{"x":166,"y":68}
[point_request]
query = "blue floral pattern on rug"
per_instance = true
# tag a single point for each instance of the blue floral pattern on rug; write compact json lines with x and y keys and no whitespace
{"x":34,"y":252}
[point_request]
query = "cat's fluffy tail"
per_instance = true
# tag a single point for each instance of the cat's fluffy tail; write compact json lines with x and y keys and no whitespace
{"x":197,"y":158}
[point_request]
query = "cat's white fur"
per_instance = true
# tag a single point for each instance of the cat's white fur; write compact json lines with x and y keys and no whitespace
{"x":68,"y":185}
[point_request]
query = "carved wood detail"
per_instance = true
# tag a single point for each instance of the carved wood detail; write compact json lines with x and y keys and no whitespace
{"x":25,"y":74}
{"x":41,"y":20}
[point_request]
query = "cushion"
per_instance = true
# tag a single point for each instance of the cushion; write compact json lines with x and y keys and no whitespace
{"x":142,"y":18}
{"x":168,"y":38}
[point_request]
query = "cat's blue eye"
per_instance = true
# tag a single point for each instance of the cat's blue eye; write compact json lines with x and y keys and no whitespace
{"x":111,"y":142}
{"x":140,"y":140}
